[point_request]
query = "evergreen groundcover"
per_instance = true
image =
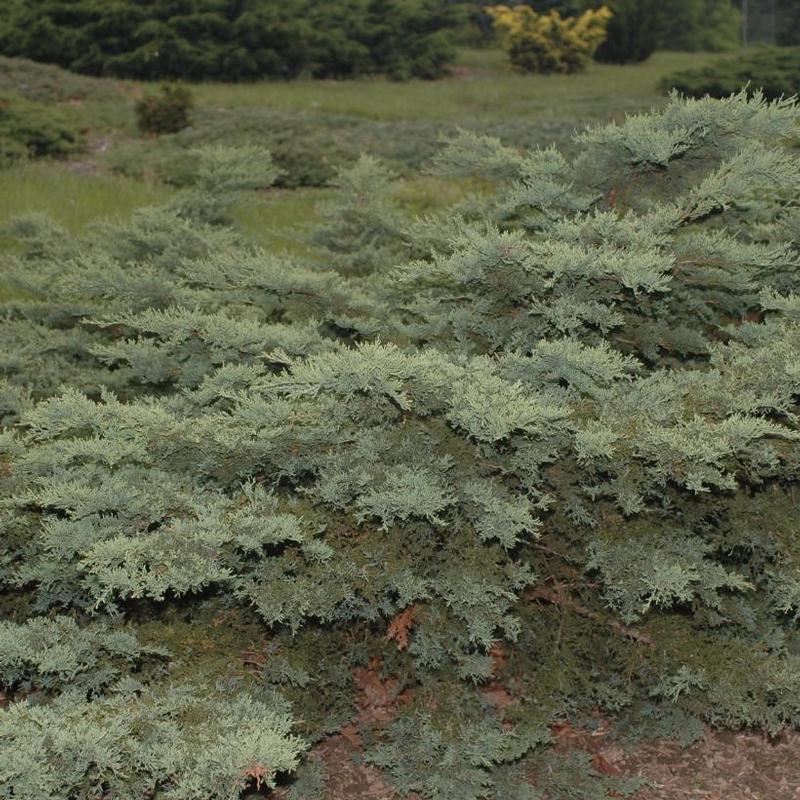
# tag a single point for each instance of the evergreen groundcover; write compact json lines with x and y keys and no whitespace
{"x":32,"y":130}
{"x":544,"y":442}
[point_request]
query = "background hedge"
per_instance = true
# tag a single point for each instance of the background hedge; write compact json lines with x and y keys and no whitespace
{"x":232,"y":39}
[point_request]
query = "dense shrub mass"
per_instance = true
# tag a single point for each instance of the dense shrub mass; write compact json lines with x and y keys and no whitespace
{"x":549,"y":42}
{"x":773,"y":70}
{"x":308,"y":148}
{"x":639,"y":27}
{"x":45,"y":83}
{"x":168,"y":111}
{"x":543,"y":443}
{"x":223,"y":40}
{"x":787,"y":26}
{"x":633,"y":31}
{"x":698,"y":25}
{"x":33,"y":130}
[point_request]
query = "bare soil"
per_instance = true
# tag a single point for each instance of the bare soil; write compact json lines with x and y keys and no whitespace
{"x":722,"y":766}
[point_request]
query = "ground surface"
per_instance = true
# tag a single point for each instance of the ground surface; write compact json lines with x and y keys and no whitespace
{"x":723,"y":766}
{"x":482,"y":85}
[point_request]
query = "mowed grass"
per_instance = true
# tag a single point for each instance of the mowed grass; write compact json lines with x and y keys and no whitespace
{"x":75,"y":200}
{"x":483,"y":86}
{"x":71,"y":199}
{"x":279,"y":220}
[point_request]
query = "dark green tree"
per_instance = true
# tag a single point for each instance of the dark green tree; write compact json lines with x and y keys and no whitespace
{"x":699,"y":25}
{"x":788,"y":22}
{"x":219,"y":39}
{"x":634,"y":30}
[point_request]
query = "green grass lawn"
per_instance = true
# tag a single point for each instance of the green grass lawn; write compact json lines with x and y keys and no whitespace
{"x":72,"y":199}
{"x":484,"y":86}
{"x":277,"y":220}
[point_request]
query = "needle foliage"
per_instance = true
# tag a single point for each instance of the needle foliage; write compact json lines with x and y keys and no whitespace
{"x":544,"y":440}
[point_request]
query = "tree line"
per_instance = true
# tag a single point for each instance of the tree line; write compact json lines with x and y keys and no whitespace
{"x":236,"y":40}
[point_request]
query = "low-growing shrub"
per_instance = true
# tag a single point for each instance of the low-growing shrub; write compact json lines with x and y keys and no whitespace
{"x":775,"y":71}
{"x":549,"y":42}
{"x":309,"y":147}
{"x":540,"y":445}
{"x":180,"y":741}
{"x":45,"y":83}
{"x":34,"y":130}
{"x":167,"y":111}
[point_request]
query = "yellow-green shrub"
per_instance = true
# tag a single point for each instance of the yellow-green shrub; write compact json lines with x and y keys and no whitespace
{"x":549,"y":42}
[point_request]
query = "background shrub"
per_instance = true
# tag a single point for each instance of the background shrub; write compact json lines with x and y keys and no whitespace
{"x":788,"y":22}
{"x":774,"y":70}
{"x":549,"y":42}
{"x":33,"y":130}
{"x":169,"y":111}
{"x":639,"y":27}
{"x":216,"y":39}
{"x":695,"y":25}
{"x":308,"y":147}
{"x":633,"y":31}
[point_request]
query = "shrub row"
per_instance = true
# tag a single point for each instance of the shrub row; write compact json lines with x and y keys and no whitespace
{"x":217,"y":39}
{"x":773,"y":70}
{"x":547,"y":43}
{"x":638,"y":27}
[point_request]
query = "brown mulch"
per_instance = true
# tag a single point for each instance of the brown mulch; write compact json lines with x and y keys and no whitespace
{"x":722,"y":766}
{"x":348,"y":779}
